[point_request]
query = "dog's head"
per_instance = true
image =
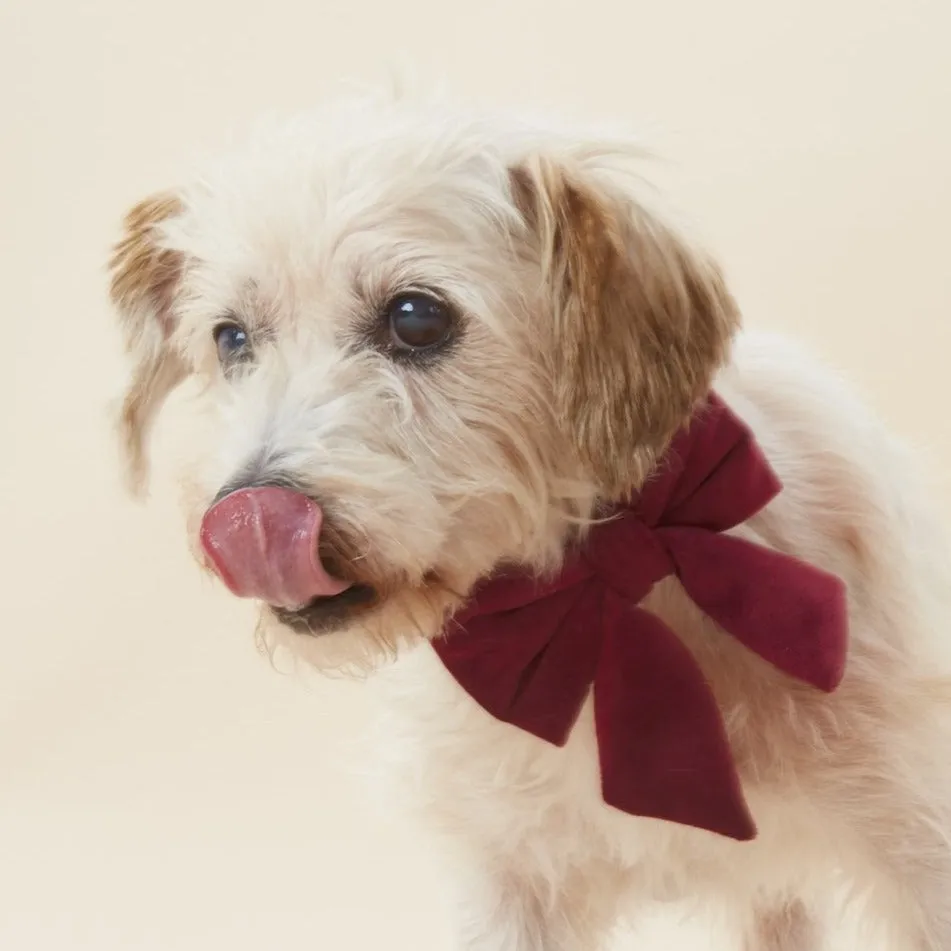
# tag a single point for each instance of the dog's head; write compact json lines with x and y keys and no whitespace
{"x":430,"y":343}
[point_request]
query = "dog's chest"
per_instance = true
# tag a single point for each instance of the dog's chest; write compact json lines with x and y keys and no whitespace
{"x":468,"y":774}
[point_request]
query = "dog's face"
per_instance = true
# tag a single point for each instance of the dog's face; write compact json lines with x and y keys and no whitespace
{"x":430,"y":343}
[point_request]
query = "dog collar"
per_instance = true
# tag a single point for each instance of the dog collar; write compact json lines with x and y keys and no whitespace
{"x":529,"y":650}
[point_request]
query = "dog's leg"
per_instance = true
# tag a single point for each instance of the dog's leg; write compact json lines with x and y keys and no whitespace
{"x":509,"y":910}
{"x":782,"y":926}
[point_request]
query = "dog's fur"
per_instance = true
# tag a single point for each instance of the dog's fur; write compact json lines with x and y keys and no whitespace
{"x":591,"y":326}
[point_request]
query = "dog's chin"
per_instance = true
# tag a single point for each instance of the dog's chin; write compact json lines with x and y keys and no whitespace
{"x":326,"y":615}
{"x":360,"y":629}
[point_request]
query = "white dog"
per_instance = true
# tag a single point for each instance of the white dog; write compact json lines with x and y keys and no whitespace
{"x":436,"y":344}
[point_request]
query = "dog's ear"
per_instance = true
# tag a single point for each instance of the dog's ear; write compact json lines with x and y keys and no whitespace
{"x":145,"y":280}
{"x":641,"y":320}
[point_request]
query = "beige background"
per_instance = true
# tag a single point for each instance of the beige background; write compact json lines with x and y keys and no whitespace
{"x":160,"y":786}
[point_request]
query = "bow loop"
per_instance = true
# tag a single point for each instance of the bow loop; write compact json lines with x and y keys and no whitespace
{"x":792,"y":615}
{"x":714,"y":475}
{"x":513,"y":662}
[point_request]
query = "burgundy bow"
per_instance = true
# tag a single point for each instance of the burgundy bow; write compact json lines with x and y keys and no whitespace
{"x":528,"y":651}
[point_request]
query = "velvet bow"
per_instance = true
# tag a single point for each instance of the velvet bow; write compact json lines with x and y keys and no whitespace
{"x":528,"y":650}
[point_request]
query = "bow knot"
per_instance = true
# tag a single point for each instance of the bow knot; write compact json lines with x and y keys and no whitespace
{"x":530,"y":652}
{"x":632,"y":580}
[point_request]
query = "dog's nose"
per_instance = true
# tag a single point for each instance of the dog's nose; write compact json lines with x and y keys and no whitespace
{"x":263,"y":543}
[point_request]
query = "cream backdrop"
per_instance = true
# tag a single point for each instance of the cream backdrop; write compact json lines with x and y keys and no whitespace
{"x":160,"y":786}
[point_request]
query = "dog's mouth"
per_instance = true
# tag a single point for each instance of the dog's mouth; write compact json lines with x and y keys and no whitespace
{"x":322,"y":615}
{"x":265,"y":543}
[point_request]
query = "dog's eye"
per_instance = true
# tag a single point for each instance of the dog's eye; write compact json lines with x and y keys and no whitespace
{"x":233,"y":344}
{"x":418,"y":321}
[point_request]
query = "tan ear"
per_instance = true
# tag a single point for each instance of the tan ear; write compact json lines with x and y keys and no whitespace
{"x":145,"y":280}
{"x":641,"y":320}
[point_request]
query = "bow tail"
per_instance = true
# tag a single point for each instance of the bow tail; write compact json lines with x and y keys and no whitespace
{"x":664,"y":751}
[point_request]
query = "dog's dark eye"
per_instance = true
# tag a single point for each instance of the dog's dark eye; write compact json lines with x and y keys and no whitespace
{"x":233,"y":344}
{"x":418,"y":321}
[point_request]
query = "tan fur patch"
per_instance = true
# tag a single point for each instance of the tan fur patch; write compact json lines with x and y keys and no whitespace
{"x":144,"y":281}
{"x":786,"y":927}
{"x":642,"y":321}
{"x":142,"y":272}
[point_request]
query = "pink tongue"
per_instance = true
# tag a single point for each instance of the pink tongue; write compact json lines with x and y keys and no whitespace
{"x":262,"y":543}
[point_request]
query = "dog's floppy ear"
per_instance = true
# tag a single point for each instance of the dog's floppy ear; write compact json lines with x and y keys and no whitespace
{"x":145,"y":280}
{"x":641,"y":320}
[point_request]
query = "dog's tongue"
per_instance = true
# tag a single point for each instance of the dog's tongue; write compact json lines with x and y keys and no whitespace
{"x":263,"y":543}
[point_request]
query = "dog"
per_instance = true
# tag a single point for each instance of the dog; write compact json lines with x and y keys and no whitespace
{"x":432,"y":341}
